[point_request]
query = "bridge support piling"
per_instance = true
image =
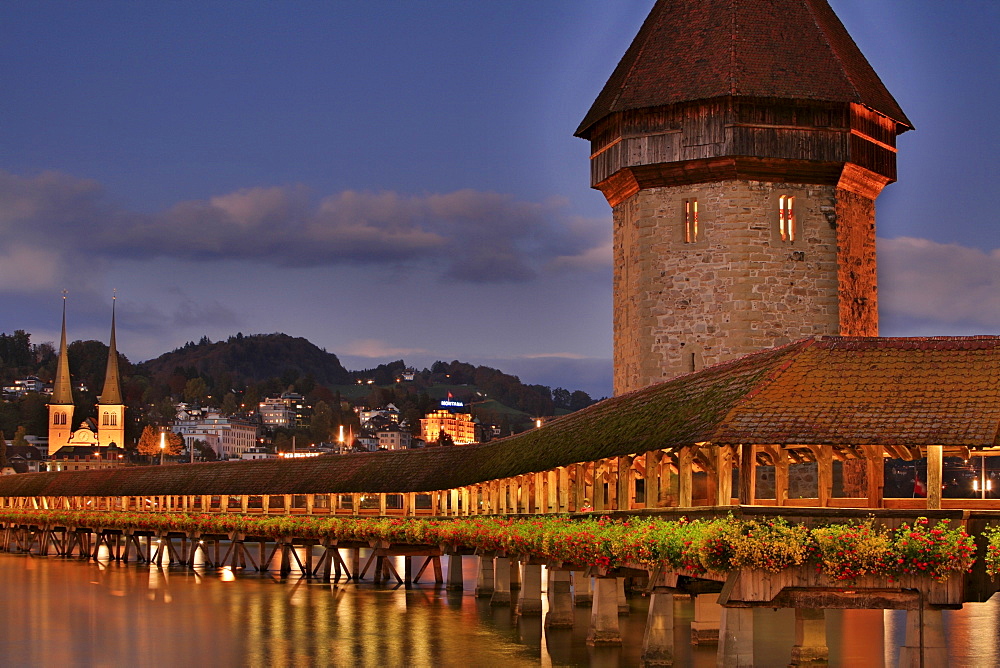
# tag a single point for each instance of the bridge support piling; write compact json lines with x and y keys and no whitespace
{"x":934,"y":647}
{"x":484,"y":581}
{"x":622,"y":600}
{"x":658,"y":641}
{"x":455,"y":580}
{"x":529,"y":601}
{"x":560,"y":614}
{"x":604,"y":629}
{"x":736,"y":638}
{"x":501,"y":583}
{"x":583,"y":589}
{"x":515,"y":576}
{"x":707,"y":616}
{"x":810,"y":638}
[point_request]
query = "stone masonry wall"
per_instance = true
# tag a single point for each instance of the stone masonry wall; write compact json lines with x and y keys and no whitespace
{"x":741,"y":288}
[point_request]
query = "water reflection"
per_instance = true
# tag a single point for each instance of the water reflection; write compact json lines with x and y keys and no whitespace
{"x":70,"y":612}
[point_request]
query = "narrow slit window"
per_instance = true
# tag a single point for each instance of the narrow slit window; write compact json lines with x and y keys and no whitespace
{"x":691,"y":229}
{"x":786,"y":217}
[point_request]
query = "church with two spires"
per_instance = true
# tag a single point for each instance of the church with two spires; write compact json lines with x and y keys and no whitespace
{"x":95,"y":442}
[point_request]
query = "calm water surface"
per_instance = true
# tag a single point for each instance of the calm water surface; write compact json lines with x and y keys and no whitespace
{"x":60,"y":612}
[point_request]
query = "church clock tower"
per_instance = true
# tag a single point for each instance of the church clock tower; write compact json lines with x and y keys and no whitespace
{"x":741,"y":145}
{"x":61,"y":404}
{"x":110,"y":407}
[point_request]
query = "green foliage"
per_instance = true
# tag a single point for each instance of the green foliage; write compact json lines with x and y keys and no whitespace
{"x":992,"y":534}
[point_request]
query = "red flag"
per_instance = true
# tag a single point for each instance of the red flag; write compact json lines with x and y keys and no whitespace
{"x":449,"y":395}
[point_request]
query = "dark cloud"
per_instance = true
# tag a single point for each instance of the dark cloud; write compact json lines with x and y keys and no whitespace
{"x":467,"y":235}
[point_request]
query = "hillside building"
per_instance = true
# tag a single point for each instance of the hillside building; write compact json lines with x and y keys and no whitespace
{"x":229,"y":436}
{"x":460,"y":426}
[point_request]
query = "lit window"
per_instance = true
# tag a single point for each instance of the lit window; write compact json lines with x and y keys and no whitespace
{"x":691,"y":231}
{"x":786,"y":217}
{"x":104,"y":420}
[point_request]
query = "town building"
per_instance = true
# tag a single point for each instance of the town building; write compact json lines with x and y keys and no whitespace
{"x":287,"y":411}
{"x":23,"y":386}
{"x":393,"y":437}
{"x":741,"y":158}
{"x":229,"y":436}
{"x":388,"y":414}
{"x":460,"y":426}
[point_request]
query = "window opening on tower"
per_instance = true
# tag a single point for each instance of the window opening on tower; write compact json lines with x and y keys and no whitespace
{"x":691,"y":231}
{"x":786,"y":217}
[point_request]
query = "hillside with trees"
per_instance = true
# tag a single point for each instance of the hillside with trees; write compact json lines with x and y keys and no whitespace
{"x":235,"y":374}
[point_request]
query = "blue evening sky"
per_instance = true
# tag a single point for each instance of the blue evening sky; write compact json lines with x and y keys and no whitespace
{"x":399,"y":178}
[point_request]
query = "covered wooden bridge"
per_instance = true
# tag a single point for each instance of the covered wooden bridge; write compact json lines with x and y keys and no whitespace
{"x":809,"y":431}
{"x":811,"y":424}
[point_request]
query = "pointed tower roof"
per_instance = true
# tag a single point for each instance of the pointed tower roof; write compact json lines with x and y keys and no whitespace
{"x":111,"y":395}
{"x":62,"y":388}
{"x":691,"y":50}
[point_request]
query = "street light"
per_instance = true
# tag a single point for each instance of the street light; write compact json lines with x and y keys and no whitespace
{"x":163,"y":444}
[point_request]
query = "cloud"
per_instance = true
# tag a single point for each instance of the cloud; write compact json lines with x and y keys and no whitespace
{"x":374,"y":348}
{"x":466,"y":235}
{"x":923,"y":281}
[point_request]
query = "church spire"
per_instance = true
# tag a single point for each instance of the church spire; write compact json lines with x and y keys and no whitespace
{"x":111,"y":395}
{"x":62,"y":390}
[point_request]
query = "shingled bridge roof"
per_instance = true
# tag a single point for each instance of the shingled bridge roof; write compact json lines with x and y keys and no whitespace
{"x":829,"y":391}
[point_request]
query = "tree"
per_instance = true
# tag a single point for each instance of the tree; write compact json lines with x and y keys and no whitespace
{"x":445,"y":439}
{"x":203,"y":451}
{"x":3,"y":451}
{"x":321,"y":425}
{"x":195,"y":391}
{"x":149,"y":442}
{"x":229,"y":404}
{"x":19,"y":437}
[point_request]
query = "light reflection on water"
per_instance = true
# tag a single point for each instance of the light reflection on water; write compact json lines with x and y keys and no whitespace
{"x":69,"y":612}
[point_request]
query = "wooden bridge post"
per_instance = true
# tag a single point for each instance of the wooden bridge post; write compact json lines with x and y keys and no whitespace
{"x":604,"y":629}
{"x":560,"y":614}
{"x":626,"y":482}
{"x":501,"y":582}
{"x":381,"y":504}
{"x":529,"y":601}
{"x":748,"y":474}
{"x":685,"y":474}
{"x":875,"y":468}
{"x":539,"y":480}
{"x":810,"y":637}
{"x":780,"y":476}
{"x":736,"y":639}
{"x":562,"y":490}
{"x":724,"y":475}
{"x":652,"y":465}
{"x":658,"y":641}
{"x":935,"y":466}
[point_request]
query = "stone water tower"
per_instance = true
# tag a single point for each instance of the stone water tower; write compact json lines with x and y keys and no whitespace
{"x":741,"y":145}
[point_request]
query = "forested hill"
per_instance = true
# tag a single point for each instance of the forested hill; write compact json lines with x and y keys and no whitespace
{"x":252,"y":359}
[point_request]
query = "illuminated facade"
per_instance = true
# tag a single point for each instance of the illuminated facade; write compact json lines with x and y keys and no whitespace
{"x":460,"y":426}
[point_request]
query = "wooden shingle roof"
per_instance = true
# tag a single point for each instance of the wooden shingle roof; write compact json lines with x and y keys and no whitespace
{"x":691,"y":50}
{"x":828,"y":391}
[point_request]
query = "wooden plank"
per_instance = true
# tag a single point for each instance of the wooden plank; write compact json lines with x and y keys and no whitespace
{"x":935,"y":467}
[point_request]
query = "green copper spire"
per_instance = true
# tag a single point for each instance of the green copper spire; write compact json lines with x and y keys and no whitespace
{"x":111,"y":395}
{"x":62,"y":390}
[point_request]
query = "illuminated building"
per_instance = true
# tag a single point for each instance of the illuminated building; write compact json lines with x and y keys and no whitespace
{"x":460,"y":426}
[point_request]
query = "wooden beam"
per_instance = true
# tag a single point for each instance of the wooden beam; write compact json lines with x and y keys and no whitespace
{"x":685,"y":472}
{"x":935,"y":466}
{"x":875,"y":469}
{"x":652,"y":475}
{"x":748,"y":474}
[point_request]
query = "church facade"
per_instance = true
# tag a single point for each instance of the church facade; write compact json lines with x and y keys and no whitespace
{"x":96,"y":443}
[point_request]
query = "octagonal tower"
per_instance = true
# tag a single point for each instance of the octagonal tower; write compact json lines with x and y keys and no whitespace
{"x":741,"y":145}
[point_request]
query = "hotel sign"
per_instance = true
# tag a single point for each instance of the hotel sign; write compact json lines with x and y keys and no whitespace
{"x":452,"y":404}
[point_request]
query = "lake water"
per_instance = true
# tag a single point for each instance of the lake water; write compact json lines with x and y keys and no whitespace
{"x":67,"y":612}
